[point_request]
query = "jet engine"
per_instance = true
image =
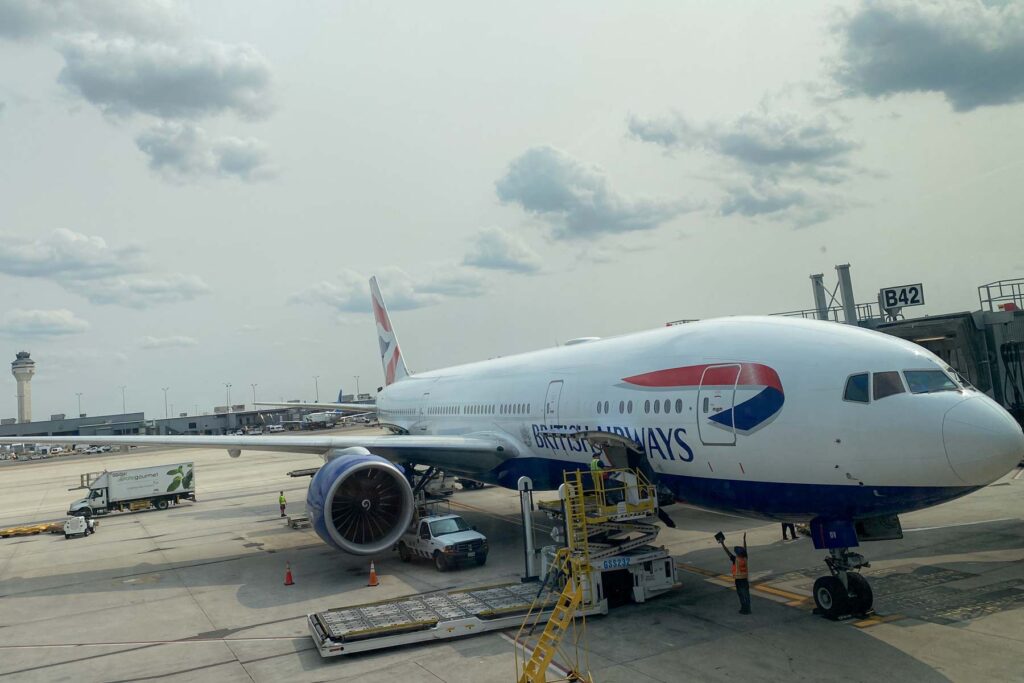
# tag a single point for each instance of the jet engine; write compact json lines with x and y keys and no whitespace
{"x":359,"y":502}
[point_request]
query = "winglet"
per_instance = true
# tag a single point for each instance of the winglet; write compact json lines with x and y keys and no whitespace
{"x":390,"y":353}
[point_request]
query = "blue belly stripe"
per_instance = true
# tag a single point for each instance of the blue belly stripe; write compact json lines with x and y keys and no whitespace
{"x":775,"y":501}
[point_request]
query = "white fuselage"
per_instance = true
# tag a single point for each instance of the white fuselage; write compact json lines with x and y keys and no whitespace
{"x":756,"y":419}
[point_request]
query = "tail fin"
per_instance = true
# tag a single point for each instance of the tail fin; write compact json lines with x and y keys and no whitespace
{"x":390,"y":353}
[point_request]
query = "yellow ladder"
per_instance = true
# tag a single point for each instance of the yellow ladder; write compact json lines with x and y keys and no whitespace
{"x":576,"y":514}
{"x":558,"y":623}
{"x":574,"y":562}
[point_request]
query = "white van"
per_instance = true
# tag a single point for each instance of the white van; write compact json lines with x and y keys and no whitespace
{"x":79,"y":526}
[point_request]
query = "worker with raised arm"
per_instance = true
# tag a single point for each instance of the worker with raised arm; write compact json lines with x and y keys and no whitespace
{"x":740,"y":571}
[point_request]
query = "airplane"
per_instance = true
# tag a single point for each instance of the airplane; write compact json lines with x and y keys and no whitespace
{"x":773,"y":418}
{"x":327,"y":418}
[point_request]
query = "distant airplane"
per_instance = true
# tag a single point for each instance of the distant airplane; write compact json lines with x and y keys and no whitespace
{"x":774,"y":418}
{"x":327,"y":418}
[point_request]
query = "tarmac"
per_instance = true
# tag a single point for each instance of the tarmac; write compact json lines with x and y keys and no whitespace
{"x":197,"y":592}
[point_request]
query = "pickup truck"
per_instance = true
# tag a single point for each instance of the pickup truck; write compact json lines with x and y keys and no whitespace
{"x":445,"y":539}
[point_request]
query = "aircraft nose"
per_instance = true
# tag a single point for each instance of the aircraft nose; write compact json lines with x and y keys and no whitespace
{"x":983,"y":442}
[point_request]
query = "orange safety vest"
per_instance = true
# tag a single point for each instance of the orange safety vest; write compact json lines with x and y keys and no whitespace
{"x":739,"y":568}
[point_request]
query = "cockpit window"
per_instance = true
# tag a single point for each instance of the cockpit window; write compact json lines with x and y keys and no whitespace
{"x":955,"y":374}
{"x":886,"y":384}
{"x":857,"y":388}
{"x":928,"y":381}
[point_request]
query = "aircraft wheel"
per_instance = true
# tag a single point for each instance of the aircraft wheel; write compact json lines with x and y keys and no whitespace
{"x":863,"y":598}
{"x":830,"y":597}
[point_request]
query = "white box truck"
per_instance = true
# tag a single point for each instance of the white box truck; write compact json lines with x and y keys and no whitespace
{"x":135,"y":489}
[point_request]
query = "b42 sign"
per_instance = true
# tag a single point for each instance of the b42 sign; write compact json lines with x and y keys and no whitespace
{"x":907,"y":295}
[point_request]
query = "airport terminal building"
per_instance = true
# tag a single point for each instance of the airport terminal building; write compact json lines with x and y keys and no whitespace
{"x":221,"y":421}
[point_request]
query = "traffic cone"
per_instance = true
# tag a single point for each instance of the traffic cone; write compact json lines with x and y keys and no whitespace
{"x":288,"y":574}
{"x":374,"y":581}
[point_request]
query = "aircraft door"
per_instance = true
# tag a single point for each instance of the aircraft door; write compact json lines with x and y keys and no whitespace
{"x":551,"y":402}
{"x":716,"y":421}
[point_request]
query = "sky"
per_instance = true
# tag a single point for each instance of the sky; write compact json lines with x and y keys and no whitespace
{"x":194,"y":194}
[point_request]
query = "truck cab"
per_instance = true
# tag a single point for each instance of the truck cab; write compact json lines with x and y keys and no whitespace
{"x":447,"y":540}
{"x":95,"y":502}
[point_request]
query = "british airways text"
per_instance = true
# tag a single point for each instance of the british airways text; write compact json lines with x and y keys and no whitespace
{"x":668,"y":443}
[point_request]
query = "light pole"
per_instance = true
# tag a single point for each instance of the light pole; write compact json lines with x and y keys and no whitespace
{"x":357,"y":386}
{"x":227,"y":386}
{"x":123,"y":410}
{"x":166,"y":415}
{"x":253,"y":394}
{"x":316,"y":385}
{"x":79,"y":395}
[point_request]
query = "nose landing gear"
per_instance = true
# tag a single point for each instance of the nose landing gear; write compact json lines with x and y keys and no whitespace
{"x":845,"y":592}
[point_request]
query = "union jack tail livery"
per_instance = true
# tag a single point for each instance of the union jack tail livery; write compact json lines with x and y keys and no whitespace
{"x":390,"y":353}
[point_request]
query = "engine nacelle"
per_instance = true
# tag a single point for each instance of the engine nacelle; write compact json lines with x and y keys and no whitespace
{"x":359,"y":502}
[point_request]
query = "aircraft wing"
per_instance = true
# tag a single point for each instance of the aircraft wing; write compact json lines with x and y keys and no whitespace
{"x":455,"y":454}
{"x":350,"y":407}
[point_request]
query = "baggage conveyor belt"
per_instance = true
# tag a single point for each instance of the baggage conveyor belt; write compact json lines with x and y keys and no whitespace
{"x":425,"y":617}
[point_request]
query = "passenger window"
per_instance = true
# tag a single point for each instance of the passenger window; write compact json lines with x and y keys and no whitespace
{"x":668,"y":406}
{"x":657,"y":407}
{"x":679,"y":405}
{"x":647,"y":406}
{"x":857,"y":388}
{"x":598,"y":406}
{"x":886,"y":384}
{"x":606,"y":406}
{"x":622,"y":407}
{"x":629,"y":407}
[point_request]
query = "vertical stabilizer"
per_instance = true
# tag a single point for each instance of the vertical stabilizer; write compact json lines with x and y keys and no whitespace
{"x":390,"y":353}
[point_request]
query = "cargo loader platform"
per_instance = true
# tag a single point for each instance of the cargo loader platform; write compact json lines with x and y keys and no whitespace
{"x":429,"y":617}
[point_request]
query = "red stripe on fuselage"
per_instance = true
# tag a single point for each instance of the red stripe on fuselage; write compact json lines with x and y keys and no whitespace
{"x":719,"y":374}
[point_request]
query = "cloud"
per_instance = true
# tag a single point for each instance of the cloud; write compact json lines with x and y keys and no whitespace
{"x":183,"y":151}
{"x":762,"y":142}
{"x":577,"y":199}
{"x":189,"y":79}
{"x":350,"y":292}
{"x":86,"y":265}
{"x":971,"y":52}
{"x":454,"y":284}
{"x":777,"y":160}
{"x":66,"y":255}
{"x":142,"y":291}
{"x":496,"y":249}
{"x":42,"y":323}
{"x":176,"y":341}
{"x":798,"y":207}
{"x":29,"y":19}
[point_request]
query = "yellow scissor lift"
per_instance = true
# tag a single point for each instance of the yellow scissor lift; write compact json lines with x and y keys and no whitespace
{"x":615,"y":502}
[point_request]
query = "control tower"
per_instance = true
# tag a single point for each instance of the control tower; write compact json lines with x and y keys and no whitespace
{"x":23,"y":368}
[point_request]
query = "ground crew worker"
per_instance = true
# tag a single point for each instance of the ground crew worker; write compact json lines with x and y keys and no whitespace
{"x":788,"y":526}
{"x":739,"y":571}
{"x":282,"y":502}
{"x":596,"y":475}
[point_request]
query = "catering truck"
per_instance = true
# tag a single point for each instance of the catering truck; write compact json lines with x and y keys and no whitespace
{"x":135,"y":489}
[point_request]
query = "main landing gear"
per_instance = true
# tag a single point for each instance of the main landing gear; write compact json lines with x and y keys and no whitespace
{"x":845,"y":592}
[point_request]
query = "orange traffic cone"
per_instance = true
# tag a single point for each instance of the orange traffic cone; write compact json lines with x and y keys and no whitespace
{"x":288,"y":574}
{"x":374,"y":581}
